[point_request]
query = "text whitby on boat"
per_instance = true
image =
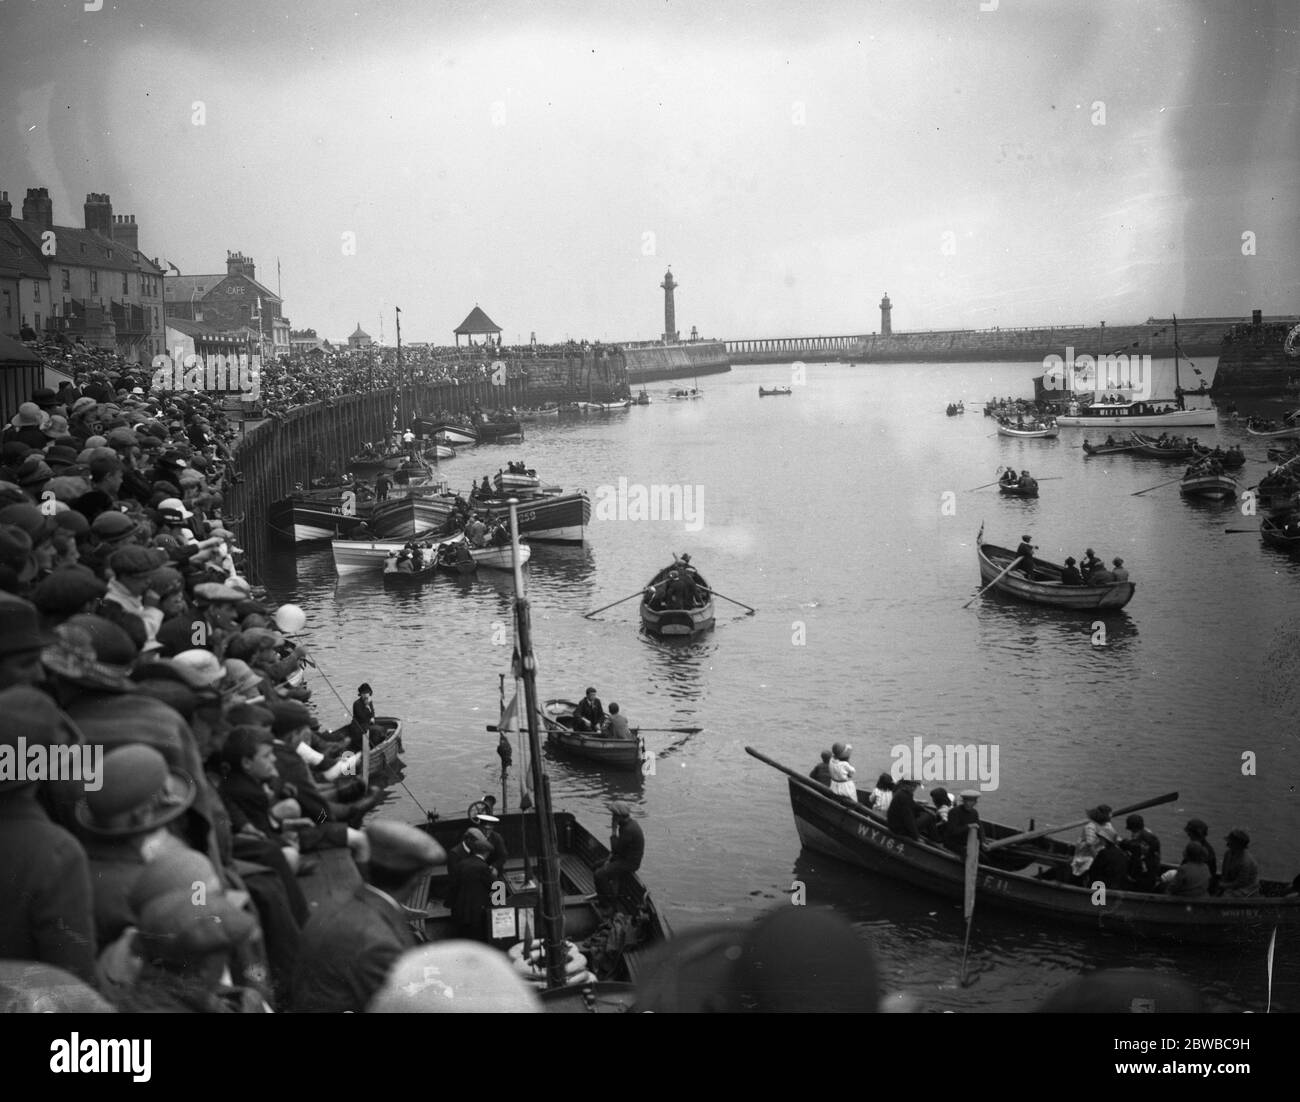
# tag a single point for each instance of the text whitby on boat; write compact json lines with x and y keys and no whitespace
{"x":216,"y":373}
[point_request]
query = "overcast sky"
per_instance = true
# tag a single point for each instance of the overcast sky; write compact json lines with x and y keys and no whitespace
{"x":1044,"y":162}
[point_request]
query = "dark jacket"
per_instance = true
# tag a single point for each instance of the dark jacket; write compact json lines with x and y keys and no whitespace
{"x":959,"y":819}
{"x":1143,"y":860}
{"x":591,"y":710}
{"x":1191,"y":880}
{"x":47,"y":912}
{"x":629,"y":845}
{"x":901,"y":815}
{"x":470,"y":896}
{"x":1071,"y":576}
{"x":347,"y":951}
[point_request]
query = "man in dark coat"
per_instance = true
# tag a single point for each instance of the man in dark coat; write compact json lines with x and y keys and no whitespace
{"x":626,"y":849}
{"x":470,"y":896}
{"x":1026,"y":553}
{"x":48,"y":911}
{"x":1070,"y":575}
{"x":349,"y":947}
{"x":901,"y":815}
{"x":959,"y":820}
{"x":1143,"y":849}
{"x":590,"y":713}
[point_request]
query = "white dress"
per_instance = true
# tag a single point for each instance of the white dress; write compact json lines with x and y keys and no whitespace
{"x":842,"y":779}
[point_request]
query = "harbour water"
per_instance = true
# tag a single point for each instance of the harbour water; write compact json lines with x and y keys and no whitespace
{"x":829,"y":512}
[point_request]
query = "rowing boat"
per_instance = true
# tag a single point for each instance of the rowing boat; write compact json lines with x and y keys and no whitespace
{"x":1290,"y":432}
{"x":1106,"y":449}
{"x":681,"y":623}
{"x":605,"y":407}
{"x":355,"y":556}
{"x":776,"y":390}
{"x":1211,"y":485}
{"x":561,"y":735}
{"x":400,"y":578}
{"x":1046,"y":587}
{"x":499,"y":432}
{"x":1042,"y":432}
{"x":838,"y":827}
{"x":1023,"y":487}
{"x":685,"y":394}
{"x":383,"y":753}
{"x":1281,"y":532}
{"x":1177,"y":450}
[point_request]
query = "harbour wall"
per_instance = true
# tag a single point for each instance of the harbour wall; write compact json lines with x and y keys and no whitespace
{"x":648,"y":363}
{"x":1256,"y":362}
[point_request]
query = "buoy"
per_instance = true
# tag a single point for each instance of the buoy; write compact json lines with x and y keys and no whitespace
{"x":290,"y":619}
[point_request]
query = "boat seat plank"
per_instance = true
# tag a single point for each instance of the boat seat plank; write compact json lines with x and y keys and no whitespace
{"x":578,"y":873}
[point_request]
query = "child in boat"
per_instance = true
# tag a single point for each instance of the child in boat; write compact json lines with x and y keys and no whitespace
{"x":842,"y":772}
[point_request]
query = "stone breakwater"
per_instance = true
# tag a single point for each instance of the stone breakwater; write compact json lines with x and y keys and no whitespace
{"x":651,"y":362}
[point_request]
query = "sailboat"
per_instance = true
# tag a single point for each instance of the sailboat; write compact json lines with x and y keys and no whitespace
{"x":548,"y":923}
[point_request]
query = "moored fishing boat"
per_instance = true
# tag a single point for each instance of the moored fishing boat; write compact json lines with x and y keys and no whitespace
{"x":774,"y":391}
{"x":561,"y":735}
{"x":516,"y":478}
{"x":605,"y":407}
{"x":503,"y":431}
{"x":1108,"y":448}
{"x":372,"y":462}
{"x":434,"y":452}
{"x":1009,"y":878}
{"x":1038,"y":430}
{"x":402,"y":518}
{"x":547,"y":517}
{"x":682,"y":622}
{"x":537,"y":413}
{"x":643,"y":399}
{"x":1173,"y":449}
{"x":1046,"y":587}
{"x":498,"y":558}
{"x":316,"y":515}
{"x":447,"y":432}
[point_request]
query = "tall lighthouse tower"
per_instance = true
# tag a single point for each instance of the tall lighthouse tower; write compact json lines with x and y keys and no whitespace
{"x":886,"y":326}
{"x":670,"y":314}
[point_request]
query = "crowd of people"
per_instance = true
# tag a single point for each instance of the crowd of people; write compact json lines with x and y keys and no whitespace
{"x":1090,"y":571}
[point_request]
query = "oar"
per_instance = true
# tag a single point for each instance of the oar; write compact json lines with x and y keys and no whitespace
{"x":968,"y":902}
{"x":1001,"y":843}
{"x":1157,"y":486}
{"x":984,"y":487}
{"x":1014,"y":563}
{"x":638,"y":593}
{"x":732,"y":600}
{"x":1241,"y":531}
{"x":634,"y":730}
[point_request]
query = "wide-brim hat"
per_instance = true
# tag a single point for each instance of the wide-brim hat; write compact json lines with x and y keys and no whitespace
{"x":30,"y":415}
{"x":138,"y":794}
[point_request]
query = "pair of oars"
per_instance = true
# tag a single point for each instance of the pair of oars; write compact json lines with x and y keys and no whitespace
{"x":1050,"y":478}
{"x":641,"y":592}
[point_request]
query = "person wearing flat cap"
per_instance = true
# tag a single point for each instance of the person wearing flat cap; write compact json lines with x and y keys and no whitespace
{"x":349,"y":947}
{"x":21,"y":638}
{"x":124,"y":602}
{"x":1240,"y":876}
{"x":956,"y":830}
{"x":626,"y":851}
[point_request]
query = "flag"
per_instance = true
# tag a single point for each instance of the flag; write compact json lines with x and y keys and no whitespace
{"x":508,"y":713}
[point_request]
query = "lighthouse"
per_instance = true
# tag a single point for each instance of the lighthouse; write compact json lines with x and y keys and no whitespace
{"x":886,"y":326}
{"x":670,"y":314}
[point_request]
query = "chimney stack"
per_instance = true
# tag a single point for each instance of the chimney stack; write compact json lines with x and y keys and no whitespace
{"x":39,"y":208}
{"x":239,"y":264}
{"x":99,"y":214}
{"x":6,"y":207}
{"x":126,"y":232}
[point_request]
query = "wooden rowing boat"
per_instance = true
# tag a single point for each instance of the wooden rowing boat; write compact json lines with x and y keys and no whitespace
{"x":1106,"y":449}
{"x":580,"y":854}
{"x":1046,"y":587}
{"x":558,"y":717}
{"x":1024,"y":487}
{"x":1150,"y":446}
{"x":1289,"y":432}
{"x":681,"y":623}
{"x":1043,"y":432}
{"x":499,"y":432}
{"x":1210,"y":485}
{"x":685,"y":394}
{"x":836,"y":826}
{"x":776,"y":390}
{"x":1281,"y":532}
{"x":401,"y":578}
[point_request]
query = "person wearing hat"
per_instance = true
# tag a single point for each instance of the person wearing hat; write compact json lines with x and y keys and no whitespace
{"x":1199,"y":832}
{"x":901,"y":815}
{"x":500,"y":854}
{"x":350,"y":946}
{"x":67,"y":591}
{"x":27,"y":426}
{"x":590,"y":713}
{"x":186,"y":943}
{"x":1120,"y":574}
{"x":626,"y":851}
{"x":21,"y":638}
{"x":956,"y":830}
{"x":1070,"y":575}
{"x":1089,"y":565}
{"x":213,"y":625}
{"x":33,"y":475}
{"x":130,"y":571}
{"x":1098,"y":833}
{"x":47,"y":912}
{"x":363,"y":720}
{"x":842,"y":772}
{"x":1025,"y":552}
{"x":1143,"y":849}
{"x":127,"y":815}
{"x":1240,"y":876}
{"x":1192,"y":878}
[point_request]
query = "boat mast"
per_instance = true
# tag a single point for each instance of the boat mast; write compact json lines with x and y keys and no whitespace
{"x":1178,"y":386}
{"x":552,"y":905}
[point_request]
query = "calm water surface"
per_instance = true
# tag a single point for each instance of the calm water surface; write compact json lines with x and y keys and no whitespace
{"x":826,"y":512}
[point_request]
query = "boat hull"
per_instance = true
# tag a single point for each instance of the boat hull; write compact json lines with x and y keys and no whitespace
{"x":676,"y":623}
{"x":779,"y":392}
{"x":1016,"y":490}
{"x":1146,"y":445}
{"x":1106,"y":449}
{"x":499,"y":558}
{"x":1052,"y":594}
{"x":1029,"y":434}
{"x":1273,"y":534}
{"x":404,"y":518}
{"x":837,"y":828}
{"x":552,"y":518}
{"x":360,"y":556}
{"x":1209,"y":486}
{"x":1292,"y":433}
{"x":608,"y":752}
{"x":500,"y":432}
{"x":1186,"y":418}
{"x":398,"y":579}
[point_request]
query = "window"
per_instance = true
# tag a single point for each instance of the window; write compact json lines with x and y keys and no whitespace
{"x":94,"y":282}
{"x":67,"y":280}
{"x":155,"y":317}
{"x":125,"y":289}
{"x":37,"y":326}
{"x":36,"y":292}
{"x":9,"y":307}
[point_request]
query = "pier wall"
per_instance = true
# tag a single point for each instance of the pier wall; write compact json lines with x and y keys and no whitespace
{"x":1257,"y":364}
{"x":650,"y":362}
